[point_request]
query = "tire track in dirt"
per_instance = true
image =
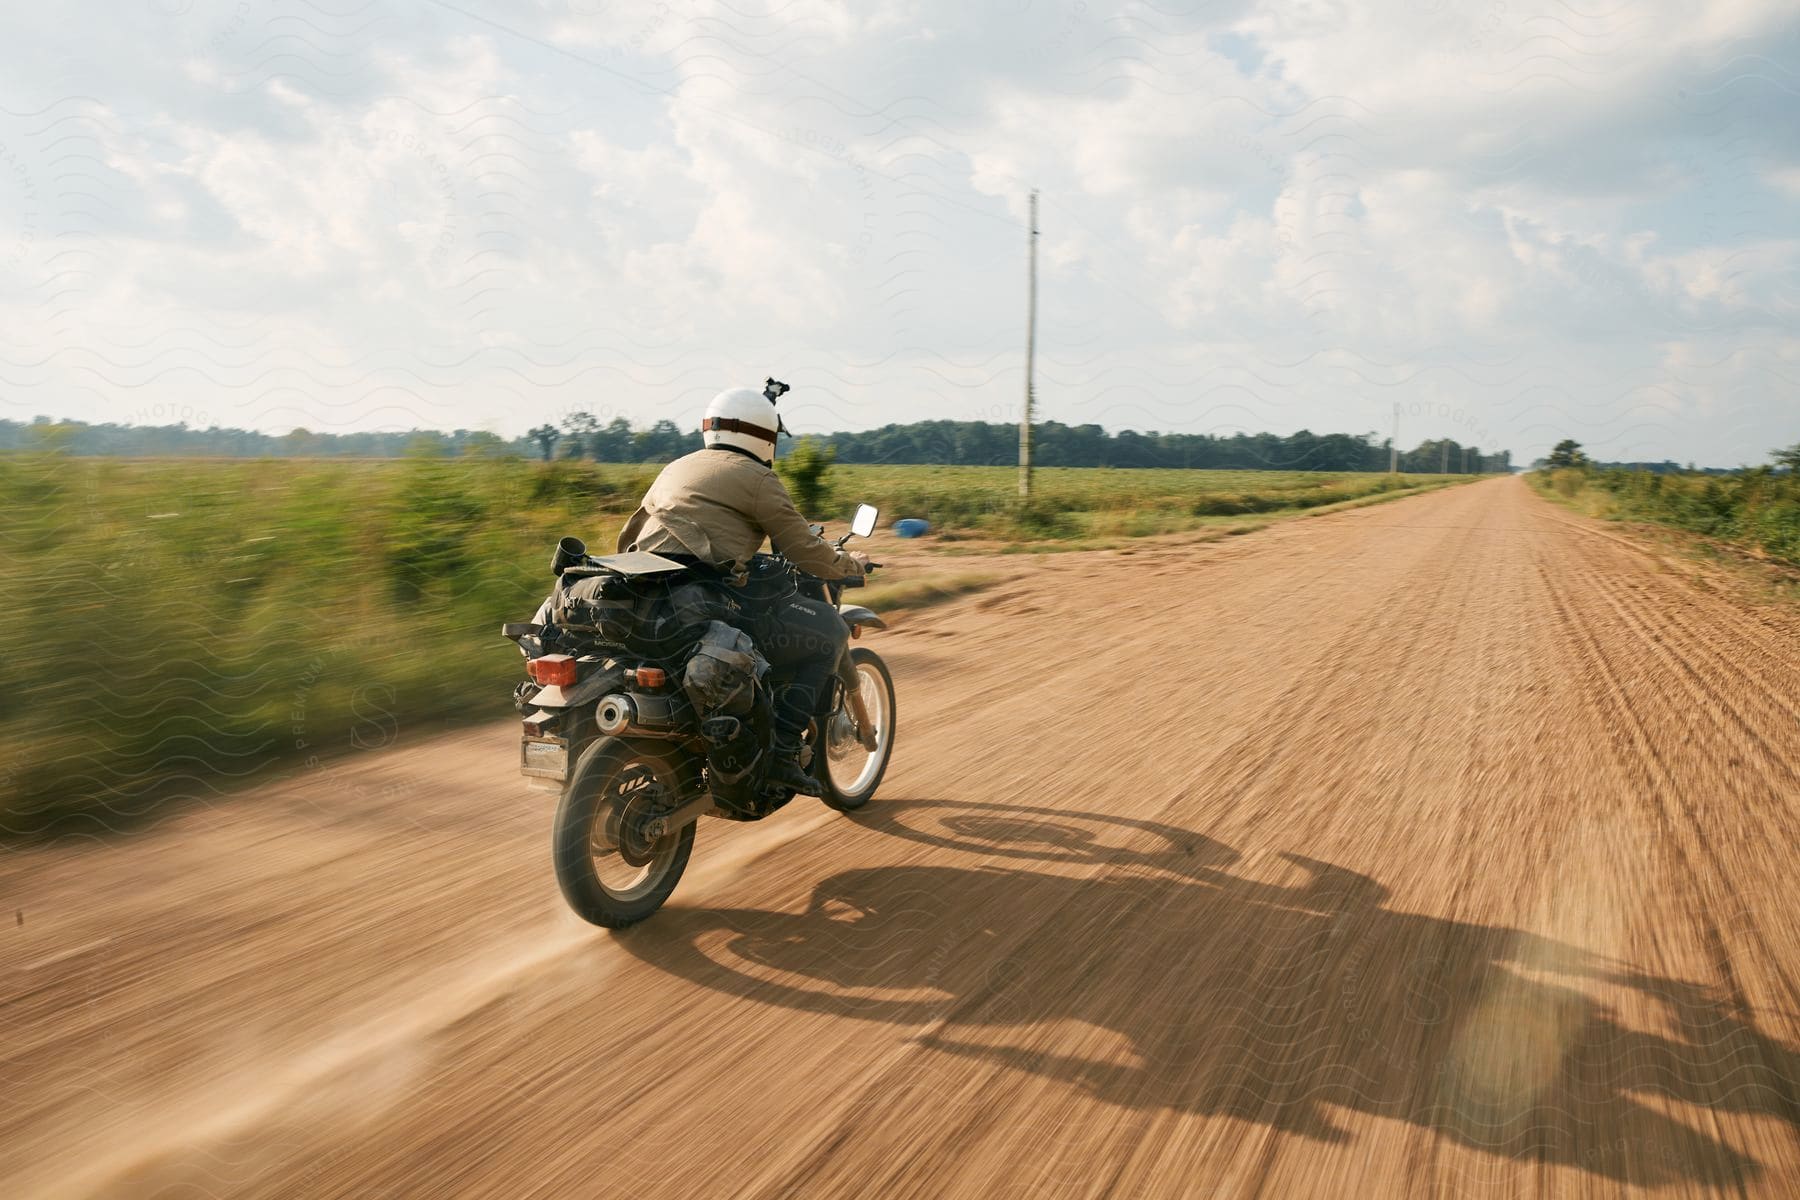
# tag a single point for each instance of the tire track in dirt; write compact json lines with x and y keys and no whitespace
{"x":1705,"y":871}
{"x":1751,"y":652}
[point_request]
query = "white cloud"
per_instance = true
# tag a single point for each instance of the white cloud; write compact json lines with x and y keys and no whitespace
{"x":1786,"y":181}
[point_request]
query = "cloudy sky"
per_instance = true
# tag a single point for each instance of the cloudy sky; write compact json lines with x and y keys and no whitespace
{"x":1516,"y":220}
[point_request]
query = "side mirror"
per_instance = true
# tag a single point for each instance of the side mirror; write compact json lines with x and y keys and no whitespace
{"x":863,"y":524}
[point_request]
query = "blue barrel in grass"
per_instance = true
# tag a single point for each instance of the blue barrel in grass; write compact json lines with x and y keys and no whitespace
{"x":912,"y":527}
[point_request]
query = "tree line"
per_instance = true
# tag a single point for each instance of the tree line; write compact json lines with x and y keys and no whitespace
{"x":1568,"y":453}
{"x":953,"y":443}
{"x":1054,"y":444}
{"x":158,"y":441}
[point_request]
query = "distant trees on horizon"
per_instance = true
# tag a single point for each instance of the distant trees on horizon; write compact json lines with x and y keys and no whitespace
{"x":1569,"y":454}
{"x":956,"y":443}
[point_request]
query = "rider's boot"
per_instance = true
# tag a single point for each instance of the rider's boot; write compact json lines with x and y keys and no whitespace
{"x":785,"y":770}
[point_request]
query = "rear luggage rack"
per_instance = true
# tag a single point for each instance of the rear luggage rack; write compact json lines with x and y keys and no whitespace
{"x":631,"y":563}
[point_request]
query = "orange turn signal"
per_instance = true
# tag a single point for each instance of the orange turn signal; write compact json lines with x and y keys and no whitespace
{"x":650,"y":677}
{"x":552,"y":670}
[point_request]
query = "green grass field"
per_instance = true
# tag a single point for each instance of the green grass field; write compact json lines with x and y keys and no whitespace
{"x":177,"y":626}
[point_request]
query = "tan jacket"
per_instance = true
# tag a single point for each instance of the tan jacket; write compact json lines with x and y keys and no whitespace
{"x":718,"y":505}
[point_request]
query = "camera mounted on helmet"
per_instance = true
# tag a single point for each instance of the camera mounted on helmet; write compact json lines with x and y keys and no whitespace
{"x":774,"y":389}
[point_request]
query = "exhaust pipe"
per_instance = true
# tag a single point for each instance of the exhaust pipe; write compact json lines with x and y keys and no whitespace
{"x":640,"y":716}
{"x":615,"y":714}
{"x":571,"y":551}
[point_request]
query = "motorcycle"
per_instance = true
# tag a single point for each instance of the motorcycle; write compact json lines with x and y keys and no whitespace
{"x":609,"y":724}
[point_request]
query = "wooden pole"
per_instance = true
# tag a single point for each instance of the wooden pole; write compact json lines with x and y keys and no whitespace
{"x":1030,"y":355}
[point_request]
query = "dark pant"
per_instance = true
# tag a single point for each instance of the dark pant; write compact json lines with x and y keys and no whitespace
{"x":802,"y":639}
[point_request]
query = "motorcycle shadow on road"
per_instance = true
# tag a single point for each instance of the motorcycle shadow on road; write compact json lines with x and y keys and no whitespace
{"x":1125,"y":959}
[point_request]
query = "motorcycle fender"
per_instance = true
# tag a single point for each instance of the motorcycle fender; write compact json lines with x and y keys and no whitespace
{"x":585,"y":691}
{"x":856,"y":614}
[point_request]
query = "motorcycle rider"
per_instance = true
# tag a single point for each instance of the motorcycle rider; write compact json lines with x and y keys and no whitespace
{"x":716,"y":506}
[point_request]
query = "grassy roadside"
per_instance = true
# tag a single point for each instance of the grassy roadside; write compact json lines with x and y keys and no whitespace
{"x":1734,"y":533}
{"x":1111,"y":529}
{"x":1214,"y":528}
{"x":1756,"y":510}
{"x":940,"y":581}
{"x":1088,"y":508}
{"x":177,"y":627}
{"x":915,"y":591}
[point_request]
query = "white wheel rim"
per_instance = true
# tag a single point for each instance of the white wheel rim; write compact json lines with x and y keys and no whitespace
{"x":844,"y":755}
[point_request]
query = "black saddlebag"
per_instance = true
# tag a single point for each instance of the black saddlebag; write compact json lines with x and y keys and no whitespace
{"x":724,"y":680}
{"x":657,"y":618}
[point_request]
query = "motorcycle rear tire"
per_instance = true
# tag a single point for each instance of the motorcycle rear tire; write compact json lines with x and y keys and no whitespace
{"x":592,"y":794}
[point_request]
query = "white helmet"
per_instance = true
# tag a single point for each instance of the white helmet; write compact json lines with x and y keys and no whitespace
{"x":745,"y":418}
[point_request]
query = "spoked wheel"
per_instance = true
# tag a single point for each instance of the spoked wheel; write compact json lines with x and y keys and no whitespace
{"x":855,"y":760}
{"x":615,"y":861}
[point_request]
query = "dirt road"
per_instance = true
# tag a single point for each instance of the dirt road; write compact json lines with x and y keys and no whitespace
{"x":1444,"y":846}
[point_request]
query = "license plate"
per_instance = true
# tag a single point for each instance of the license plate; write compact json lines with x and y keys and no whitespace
{"x":544,"y":758}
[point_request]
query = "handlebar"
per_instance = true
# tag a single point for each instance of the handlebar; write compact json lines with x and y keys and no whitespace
{"x":855,"y":581}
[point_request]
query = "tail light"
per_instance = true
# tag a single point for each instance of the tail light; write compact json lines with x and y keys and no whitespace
{"x":552,"y":670}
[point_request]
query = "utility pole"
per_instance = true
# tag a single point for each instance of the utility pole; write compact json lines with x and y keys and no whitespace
{"x":1030,"y":354}
{"x":1444,"y":457}
{"x":1394,"y":446}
